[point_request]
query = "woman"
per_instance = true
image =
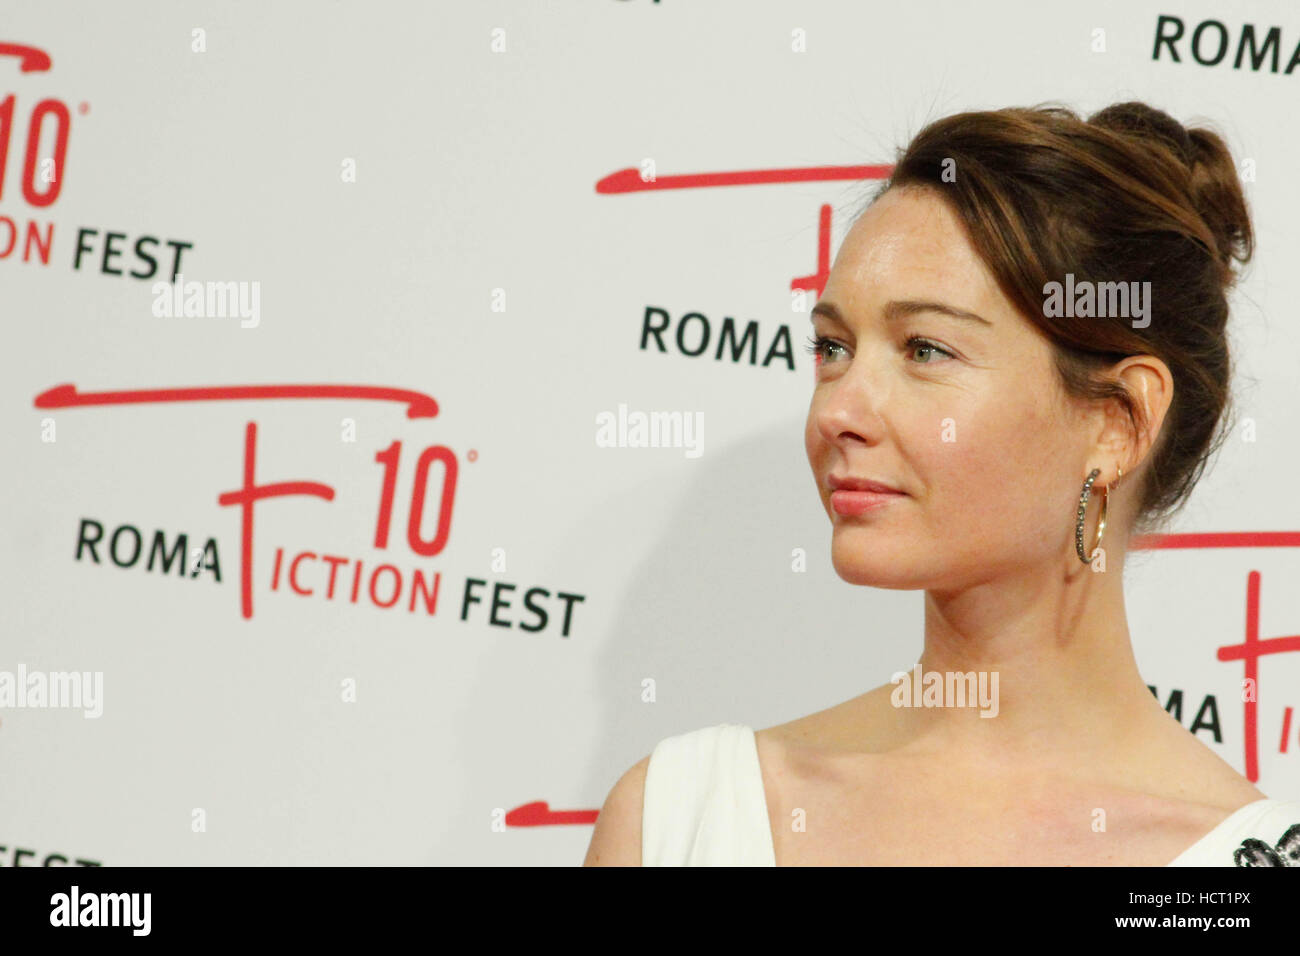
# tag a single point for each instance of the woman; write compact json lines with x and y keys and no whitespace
{"x":973,"y":418}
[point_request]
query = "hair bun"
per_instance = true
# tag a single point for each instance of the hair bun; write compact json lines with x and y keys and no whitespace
{"x":1213,"y":183}
{"x":1143,"y":121}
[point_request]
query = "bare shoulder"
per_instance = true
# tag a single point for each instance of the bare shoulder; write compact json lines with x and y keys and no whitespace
{"x":1189,"y":770}
{"x":807,"y":750}
{"x":860,"y":724}
{"x":617,"y":838}
{"x":1185,"y":790}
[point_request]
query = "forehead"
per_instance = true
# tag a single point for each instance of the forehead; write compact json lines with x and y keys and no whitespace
{"x":909,"y":244}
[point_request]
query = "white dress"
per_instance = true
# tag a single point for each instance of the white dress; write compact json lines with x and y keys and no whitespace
{"x":705,"y":806}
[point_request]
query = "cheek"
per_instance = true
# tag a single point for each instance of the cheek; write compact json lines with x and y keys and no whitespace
{"x":997,"y":463}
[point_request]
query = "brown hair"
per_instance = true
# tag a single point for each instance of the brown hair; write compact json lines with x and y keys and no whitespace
{"x":1127,"y":195}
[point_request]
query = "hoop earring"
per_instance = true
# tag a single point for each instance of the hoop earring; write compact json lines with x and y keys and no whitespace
{"x":1082,"y":510}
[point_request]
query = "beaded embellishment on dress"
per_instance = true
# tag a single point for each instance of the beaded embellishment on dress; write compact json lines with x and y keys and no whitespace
{"x":1253,"y":852}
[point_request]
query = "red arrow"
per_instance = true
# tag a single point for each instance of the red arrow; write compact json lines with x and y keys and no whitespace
{"x":630,"y":181}
{"x":540,"y":814}
{"x":418,"y":404}
{"x":1218,"y":539}
{"x":33,"y":60}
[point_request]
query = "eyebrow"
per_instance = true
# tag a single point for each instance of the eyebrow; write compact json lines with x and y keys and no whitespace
{"x":899,"y":309}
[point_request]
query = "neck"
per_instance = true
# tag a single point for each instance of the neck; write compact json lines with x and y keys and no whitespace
{"x":1066,"y":676}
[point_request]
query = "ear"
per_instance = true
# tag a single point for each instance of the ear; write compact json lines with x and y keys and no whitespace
{"x":1124,"y":443}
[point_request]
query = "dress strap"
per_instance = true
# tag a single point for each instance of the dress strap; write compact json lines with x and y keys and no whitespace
{"x":704,"y":802}
{"x":1263,"y":833}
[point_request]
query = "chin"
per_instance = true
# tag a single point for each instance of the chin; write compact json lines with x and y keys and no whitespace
{"x":859,"y":560}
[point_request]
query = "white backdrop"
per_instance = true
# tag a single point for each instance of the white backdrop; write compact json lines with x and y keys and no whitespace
{"x":413,"y":189}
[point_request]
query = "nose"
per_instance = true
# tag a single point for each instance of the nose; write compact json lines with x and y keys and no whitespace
{"x":848,"y":409}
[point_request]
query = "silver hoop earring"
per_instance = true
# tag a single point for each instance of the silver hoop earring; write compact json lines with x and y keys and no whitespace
{"x":1083,"y":509}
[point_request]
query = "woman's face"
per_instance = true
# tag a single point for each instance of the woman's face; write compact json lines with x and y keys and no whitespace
{"x":975,"y":428}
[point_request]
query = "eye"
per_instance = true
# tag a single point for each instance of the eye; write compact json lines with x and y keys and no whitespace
{"x":817,"y":345}
{"x":917,"y":342}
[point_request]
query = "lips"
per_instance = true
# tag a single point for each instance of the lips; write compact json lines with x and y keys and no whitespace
{"x":856,"y":496}
{"x":838,"y":483}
